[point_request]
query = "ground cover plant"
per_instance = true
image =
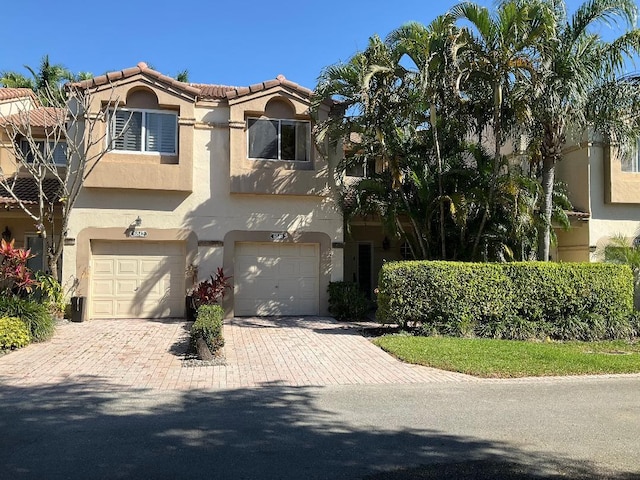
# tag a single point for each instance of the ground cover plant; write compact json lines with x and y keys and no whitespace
{"x":509,"y":358}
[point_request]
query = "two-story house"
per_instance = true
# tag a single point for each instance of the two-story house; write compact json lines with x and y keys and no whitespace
{"x":201,"y":177}
{"x":22,"y":104}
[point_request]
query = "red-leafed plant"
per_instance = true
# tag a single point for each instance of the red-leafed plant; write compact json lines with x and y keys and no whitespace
{"x":212,"y":291}
{"x":15,"y":276}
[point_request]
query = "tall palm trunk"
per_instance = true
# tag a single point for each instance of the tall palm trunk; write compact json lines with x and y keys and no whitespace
{"x":434,"y":127}
{"x":544,"y":235}
{"x":551,"y":153}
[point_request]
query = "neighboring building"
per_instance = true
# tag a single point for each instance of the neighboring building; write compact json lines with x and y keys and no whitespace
{"x":205,"y":176}
{"x":14,"y":224}
{"x":604,"y":187}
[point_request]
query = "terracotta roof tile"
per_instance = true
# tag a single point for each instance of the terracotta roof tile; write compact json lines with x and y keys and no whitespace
{"x":279,"y":80}
{"x":43,"y":117}
{"x":212,"y":91}
{"x":14,"y":93}
{"x":129,"y":72}
{"x":26,"y":189}
{"x":577,"y":214}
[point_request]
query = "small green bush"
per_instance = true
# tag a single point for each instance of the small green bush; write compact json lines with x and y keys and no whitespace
{"x":14,"y":333}
{"x":509,"y":300}
{"x":208,"y":326}
{"x":35,"y":315}
{"x":50,"y":292}
{"x":347,"y":302}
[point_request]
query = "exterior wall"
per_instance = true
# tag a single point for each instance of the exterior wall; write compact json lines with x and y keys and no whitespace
{"x":272,"y":176}
{"x":615,"y":200}
{"x":207,"y":217}
{"x":619,"y":187}
{"x":146,"y":171}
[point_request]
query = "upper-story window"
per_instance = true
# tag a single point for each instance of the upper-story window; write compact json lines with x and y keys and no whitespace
{"x":274,"y":139}
{"x":49,"y":150}
{"x":145,"y":131}
{"x":364,"y":169}
{"x":631,"y":160}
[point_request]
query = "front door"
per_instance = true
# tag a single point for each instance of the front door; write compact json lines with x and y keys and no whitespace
{"x":35,"y":243}
{"x":365,"y":255}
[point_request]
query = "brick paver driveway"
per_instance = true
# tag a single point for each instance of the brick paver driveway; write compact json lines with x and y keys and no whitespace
{"x":151,"y":354}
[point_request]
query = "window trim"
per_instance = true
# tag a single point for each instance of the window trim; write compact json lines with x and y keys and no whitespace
{"x":144,"y":111}
{"x":280,"y":120}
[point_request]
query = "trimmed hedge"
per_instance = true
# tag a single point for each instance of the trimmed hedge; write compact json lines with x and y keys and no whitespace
{"x":508,"y":300}
{"x":14,"y":333}
{"x":208,"y":326}
{"x":347,"y":302}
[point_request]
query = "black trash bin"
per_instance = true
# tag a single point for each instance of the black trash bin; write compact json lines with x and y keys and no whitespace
{"x":78,"y":309}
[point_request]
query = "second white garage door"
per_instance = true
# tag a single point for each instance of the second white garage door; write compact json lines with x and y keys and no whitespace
{"x":276,"y":279}
{"x":137,"y":279}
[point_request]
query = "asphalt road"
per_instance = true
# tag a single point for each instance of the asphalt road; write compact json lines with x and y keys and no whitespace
{"x":577,"y":429}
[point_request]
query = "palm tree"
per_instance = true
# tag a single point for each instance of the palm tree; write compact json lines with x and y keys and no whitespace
{"x":433,"y":50}
{"x":16,"y":80}
{"x":498,"y":54}
{"x":578,"y":83}
{"x":46,"y":81}
{"x":380,"y":106}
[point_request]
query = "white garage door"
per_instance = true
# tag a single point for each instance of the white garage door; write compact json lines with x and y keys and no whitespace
{"x":137,"y":279}
{"x":276,"y":279}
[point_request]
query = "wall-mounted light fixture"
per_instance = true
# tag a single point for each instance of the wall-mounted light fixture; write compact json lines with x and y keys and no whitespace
{"x":386,"y":243}
{"x":137,"y":222}
{"x":6,"y":234}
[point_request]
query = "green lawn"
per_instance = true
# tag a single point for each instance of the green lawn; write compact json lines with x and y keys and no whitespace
{"x":507,"y":358}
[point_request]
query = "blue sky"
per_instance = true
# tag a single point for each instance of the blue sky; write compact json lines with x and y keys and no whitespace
{"x":231,"y":43}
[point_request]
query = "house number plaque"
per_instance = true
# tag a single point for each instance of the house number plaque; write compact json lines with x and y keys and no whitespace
{"x":275,"y":236}
{"x":138,"y":233}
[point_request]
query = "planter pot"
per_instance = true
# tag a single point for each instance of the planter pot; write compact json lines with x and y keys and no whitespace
{"x":78,"y":309}
{"x":190,"y":308}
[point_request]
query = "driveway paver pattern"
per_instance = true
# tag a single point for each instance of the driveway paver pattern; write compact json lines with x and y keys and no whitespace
{"x":291,"y":351}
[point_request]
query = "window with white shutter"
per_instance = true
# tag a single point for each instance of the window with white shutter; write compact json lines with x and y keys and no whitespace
{"x":144,"y":131}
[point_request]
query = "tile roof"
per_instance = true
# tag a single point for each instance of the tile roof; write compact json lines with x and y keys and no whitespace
{"x":14,"y":93}
{"x":43,"y":117}
{"x":213,"y":91}
{"x":201,"y":90}
{"x":280,"y":80}
{"x":142,"y":67}
{"x":26,"y":189}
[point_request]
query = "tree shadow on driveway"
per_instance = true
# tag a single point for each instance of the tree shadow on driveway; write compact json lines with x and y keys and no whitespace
{"x":90,"y":428}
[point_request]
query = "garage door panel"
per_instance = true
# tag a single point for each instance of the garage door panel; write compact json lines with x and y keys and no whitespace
{"x":127,"y":267}
{"x":103,"y":308}
{"x":103,"y":267}
{"x":103,"y":287}
{"x":126,"y":287}
{"x":308,"y":251}
{"x":308,"y":269}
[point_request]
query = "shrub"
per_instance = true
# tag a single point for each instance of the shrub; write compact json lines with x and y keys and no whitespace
{"x":50,"y":291}
{"x":15,"y":277}
{"x":212,"y":291}
{"x":208,"y":326}
{"x":35,"y":315}
{"x":14,"y":333}
{"x":347,"y":302}
{"x":512,"y":300}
